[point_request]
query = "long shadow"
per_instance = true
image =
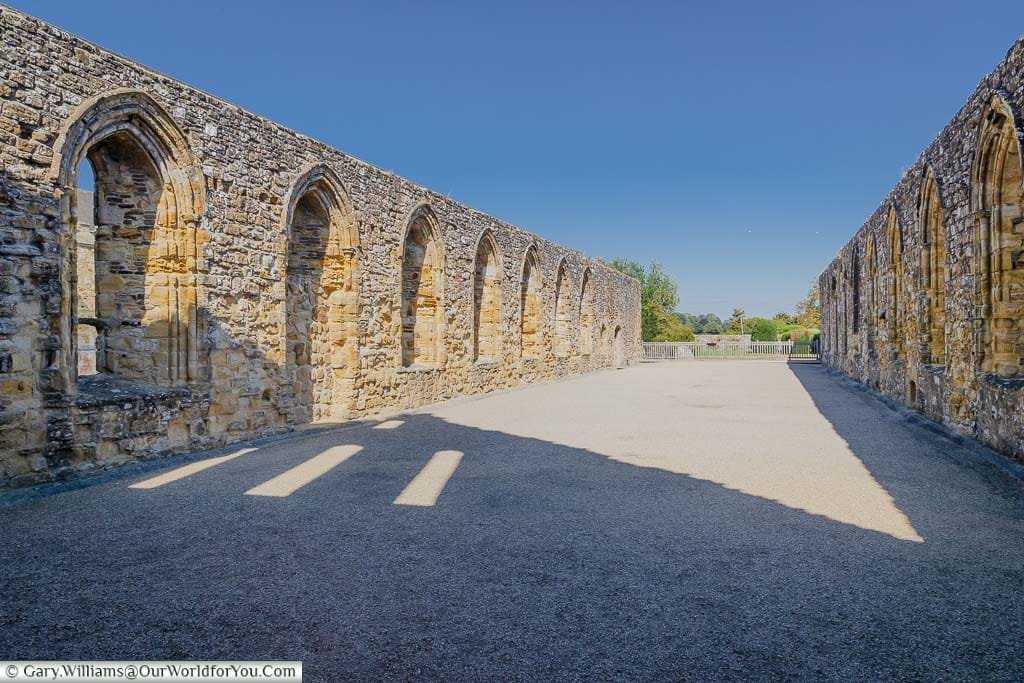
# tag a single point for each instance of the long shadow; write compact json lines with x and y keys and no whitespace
{"x":930,"y":476}
{"x":539,"y":560}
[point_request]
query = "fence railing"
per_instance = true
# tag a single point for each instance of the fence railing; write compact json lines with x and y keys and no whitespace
{"x":781,"y":350}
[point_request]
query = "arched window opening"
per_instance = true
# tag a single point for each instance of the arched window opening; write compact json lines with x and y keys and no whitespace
{"x":619,"y":348}
{"x":828,"y":312}
{"x":586,"y":315}
{"x":563,"y":325}
{"x":999,"y":198}
{"x":322,"y":302}
{"x":487,"y":303}
{"x":87,"y":332}
{"x":871,"y":263}
{"x":530,"y":307}
{"x":138,"y":266}
{"x":895,"y":315}
{"x":421,"y":294}
{"x":842,"y":309}
{"x":130,"y":249}
{"x":933,"y":271}
{"x":856,"y":290}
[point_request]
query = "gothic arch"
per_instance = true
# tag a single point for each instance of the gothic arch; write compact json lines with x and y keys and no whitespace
{"x":618,"y":347}
{"x":833,"y":314}
{"x":422,"y":296}
{"x":487,"y":300}
{"x":563,"y":311}
{"x":531,"y":305}
{"x":997,"y":183}
{"x":871,"y":299}
{"x":321,"y":296}
{"x":855,"y":288}
{"x":586,"y":314}
{"x":150,"y":199}
{"x":322,"y":182}
{"x":934,"y":266}
{"x":896,"y":312}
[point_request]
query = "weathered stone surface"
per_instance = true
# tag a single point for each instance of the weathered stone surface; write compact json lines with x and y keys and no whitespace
{"x":926,"y":303}
{"x":238,"y":278}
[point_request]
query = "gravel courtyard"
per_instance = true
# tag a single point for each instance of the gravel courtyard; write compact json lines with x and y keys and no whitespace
{"x":672,"y":521}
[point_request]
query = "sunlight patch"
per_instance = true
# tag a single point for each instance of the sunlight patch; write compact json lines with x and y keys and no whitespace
{"x":287,"y":483}
{"x":188,"y":470}
{"x":768,"y":439}
{"x":427,"y":486}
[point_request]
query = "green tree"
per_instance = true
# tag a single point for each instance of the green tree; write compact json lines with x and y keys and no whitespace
{"x":808,"y":311}
{"x":705,"y":323}
{"x":736,"y":322}
{"x":659,"y":296}
{"x":762,"y":329}
{"x":670,"y":329}
{"x":712,"y":326}
{"x":631,"y":268}
{"x":782,"y":319}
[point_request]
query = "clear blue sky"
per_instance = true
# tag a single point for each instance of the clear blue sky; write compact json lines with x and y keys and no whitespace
{"x":738,"y":143}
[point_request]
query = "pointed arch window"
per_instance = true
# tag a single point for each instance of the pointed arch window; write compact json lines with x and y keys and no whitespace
{"x":933,"y":270}
{"x":871,"y":299}
{"x":587,"y":315}
{"x":563,"y":323}
{"x":136,"y":284}
{"x":487,"y":302}
{"x":422,"y":288}
{"x":895,"y":314}
{"x":322,"y":298}
{"x":530,"y":306}
{"x":999,"y":202}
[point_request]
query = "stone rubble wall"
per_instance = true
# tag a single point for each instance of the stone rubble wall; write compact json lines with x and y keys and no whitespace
{"x":939,"y":370}
{"x":220,"y":251}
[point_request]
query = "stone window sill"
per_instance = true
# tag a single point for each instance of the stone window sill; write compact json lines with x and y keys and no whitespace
{"x":418,"y":368}
{"x":487,"y":364}
{"x":106,"y":390}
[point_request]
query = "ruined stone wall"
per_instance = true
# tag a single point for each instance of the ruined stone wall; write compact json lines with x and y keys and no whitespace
{"x":926,"y":303}
{"x":247,"y":278}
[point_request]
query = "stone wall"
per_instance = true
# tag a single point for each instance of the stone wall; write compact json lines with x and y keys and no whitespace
{"x":926,"y":303}
{"x":245,"y":278}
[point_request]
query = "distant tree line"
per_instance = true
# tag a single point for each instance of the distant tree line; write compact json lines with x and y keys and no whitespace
{"x":660,"y":321}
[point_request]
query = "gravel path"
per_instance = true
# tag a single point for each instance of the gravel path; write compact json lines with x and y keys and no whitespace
{"x":675,"y":521}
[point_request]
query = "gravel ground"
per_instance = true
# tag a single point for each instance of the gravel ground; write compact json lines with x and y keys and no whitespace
{"x":675,"y":521}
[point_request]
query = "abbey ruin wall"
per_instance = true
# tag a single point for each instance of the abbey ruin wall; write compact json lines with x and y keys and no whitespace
{"x":926,"y":303}
{"x":233,"y":278}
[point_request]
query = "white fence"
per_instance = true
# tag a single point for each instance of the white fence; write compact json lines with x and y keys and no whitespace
{"x":783,"y":350}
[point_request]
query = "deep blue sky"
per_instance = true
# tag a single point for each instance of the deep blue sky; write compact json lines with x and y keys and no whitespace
{"x":738,"y":143}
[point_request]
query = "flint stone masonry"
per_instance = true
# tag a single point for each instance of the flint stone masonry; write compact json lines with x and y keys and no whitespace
{"x":926,"y":303}
{"x":240,"y":278}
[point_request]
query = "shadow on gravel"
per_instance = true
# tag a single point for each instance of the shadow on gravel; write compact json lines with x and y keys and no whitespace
{"x":928,"y":475}
{"x":539,"y":561}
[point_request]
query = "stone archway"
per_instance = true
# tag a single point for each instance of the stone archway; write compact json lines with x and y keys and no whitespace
{"x":422,"y":291}
{"x":487,"y":308}
{"x":322,"y":299}
{"x":149,"y":198}
{"x":619,"y":348}
{"x":998,"y":200}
